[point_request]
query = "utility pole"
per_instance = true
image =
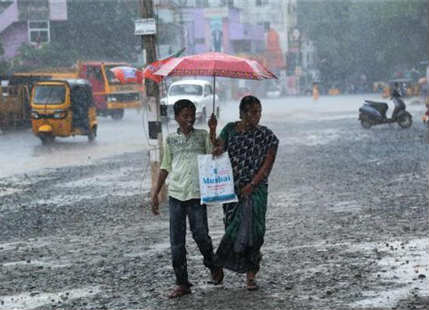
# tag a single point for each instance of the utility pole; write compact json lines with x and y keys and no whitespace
{"x":149,"y":46}
{"x":148,"y":43}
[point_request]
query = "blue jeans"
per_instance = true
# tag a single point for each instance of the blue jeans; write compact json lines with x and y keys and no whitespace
{"x":197,"y":216}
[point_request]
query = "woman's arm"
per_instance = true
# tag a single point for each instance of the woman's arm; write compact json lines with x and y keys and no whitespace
{"x":262,"y":173}
{"x":218,"y":143}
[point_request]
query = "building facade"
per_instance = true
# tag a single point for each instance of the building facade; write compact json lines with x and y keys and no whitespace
{"x":28,"y":22}
{"x":258,"y":29}
{"x":265,"y":30}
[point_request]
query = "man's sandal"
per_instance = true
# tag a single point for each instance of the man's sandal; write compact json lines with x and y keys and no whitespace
{"x":179,"y":291}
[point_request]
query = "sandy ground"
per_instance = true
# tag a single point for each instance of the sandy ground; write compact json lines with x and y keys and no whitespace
{"x":347,"y":223}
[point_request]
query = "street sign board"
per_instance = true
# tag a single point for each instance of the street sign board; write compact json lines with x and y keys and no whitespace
{"x":145,"y":26}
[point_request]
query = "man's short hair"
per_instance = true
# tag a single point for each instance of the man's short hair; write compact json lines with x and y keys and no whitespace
{"x":182,"y":104}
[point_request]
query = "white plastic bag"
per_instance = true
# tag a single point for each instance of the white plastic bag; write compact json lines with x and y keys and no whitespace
{"x":216,"y":179}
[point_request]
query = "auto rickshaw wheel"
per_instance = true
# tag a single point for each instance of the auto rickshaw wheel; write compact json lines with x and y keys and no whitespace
{"x":46,"y":138}
{"x":117,"y":114}
{"x":92,"y":134}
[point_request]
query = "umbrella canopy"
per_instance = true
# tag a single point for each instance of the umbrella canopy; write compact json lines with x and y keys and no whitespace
{"x":215,"y":64}
{"x":127,"y":74}
{"x":151,"y":68}
{"x":422,"y":81}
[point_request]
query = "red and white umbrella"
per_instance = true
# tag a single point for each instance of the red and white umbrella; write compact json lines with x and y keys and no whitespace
{"x":215,"y":64}
{"x":127,"y":74}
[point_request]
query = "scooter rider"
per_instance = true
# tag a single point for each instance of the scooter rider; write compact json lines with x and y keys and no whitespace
{"x":397,"y":101}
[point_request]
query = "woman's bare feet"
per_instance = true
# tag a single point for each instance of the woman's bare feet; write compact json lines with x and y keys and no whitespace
{"x":251,"y":282}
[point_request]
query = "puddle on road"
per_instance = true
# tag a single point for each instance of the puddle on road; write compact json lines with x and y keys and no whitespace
{"x":72,"y":199}
{"x":30,"y":243}
{"x":100,"y":179}
{"x":152,"y":250}
{"x":403,"y":270}
{"x":9,"y":191}
{"x":312,"y":138}
{"x":317,"y":246}
{"x":405,"y":177}
{"x":35,"y":263}
{"x":6,"y":187}
{"x":32,"y":300}
{"x":305,"y":115}
{"x":396,"y":270}
{"x":345,"y":206}
{"x":122,"y":187}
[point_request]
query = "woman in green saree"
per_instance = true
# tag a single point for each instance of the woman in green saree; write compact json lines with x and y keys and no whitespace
{"x":252,"y":149}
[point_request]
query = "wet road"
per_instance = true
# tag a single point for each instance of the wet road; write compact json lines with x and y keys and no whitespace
{"x":21,"y":151}
{"x":347,"y":219}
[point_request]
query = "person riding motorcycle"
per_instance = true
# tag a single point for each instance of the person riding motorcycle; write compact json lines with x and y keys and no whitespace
{"x":397,"y":101}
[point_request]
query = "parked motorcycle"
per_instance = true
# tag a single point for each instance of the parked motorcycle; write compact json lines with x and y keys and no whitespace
{"x":374,"y":113}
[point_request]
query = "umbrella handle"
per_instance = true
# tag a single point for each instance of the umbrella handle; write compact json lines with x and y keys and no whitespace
{"x":214,"y":93}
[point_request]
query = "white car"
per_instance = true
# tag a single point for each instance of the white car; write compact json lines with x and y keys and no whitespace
{"x":200,"y":92}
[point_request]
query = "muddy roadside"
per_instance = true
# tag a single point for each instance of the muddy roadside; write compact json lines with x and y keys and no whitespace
{"x":347,"y":229}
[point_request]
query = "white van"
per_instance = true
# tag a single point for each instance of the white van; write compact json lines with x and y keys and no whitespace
{"x":200,"y":92}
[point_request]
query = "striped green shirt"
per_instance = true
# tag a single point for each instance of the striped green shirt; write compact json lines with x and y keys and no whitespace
{"x":181,"y":162}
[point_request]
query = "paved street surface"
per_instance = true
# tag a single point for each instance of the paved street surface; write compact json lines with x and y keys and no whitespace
{"x":347,"y":222}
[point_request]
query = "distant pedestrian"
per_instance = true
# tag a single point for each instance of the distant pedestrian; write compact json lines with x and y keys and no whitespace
{"x":315,"y":91}
{"x":252,"y":149}
{"x":180,"y":162}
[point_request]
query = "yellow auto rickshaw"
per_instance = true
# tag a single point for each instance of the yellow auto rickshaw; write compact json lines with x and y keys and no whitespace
{"x":63,"y":108}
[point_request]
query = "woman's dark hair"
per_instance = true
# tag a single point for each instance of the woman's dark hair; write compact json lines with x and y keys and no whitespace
{"x":246,"y":102}
{"x":181,"y":104}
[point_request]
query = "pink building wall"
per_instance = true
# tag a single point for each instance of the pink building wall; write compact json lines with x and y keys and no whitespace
{"x":12,"y":38}
{"x":14,"y":33}
{"x":9,"y":16}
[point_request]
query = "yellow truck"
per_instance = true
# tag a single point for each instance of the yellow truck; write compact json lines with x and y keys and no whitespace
{"x":110,"y":95}
{"x":15,"y":110}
